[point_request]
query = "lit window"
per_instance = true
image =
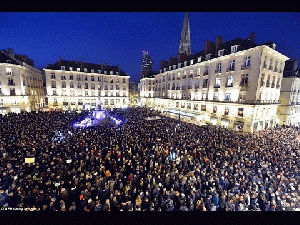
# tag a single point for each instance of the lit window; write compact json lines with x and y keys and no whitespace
{"x":8,"y":71}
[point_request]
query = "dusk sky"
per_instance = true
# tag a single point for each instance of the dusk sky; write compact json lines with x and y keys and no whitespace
{"x":119,"y":38}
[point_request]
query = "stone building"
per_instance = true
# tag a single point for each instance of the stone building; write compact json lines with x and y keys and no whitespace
{"x":73,"y":85}
{"x":235,"y":84}
{"x":289,"y":109}
{"x":21,"y":85}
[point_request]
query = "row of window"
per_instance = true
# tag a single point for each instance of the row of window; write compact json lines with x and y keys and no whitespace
{"x":93,"y":93}
{"x":80,"y":102}
{"x":10,"y":82}
{"x":86,"y":78}
{"x":203,"y":108}
{"x":85,"y":70}
{"x":268,"y":82}
{"x":231,"y":67}
{"x":86,"y":86}
{"x":9,"y":72}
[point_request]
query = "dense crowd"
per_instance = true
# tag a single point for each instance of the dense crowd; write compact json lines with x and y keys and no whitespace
{"x":127,"y":168}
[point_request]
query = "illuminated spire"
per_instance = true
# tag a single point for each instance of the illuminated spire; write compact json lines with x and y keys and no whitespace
{"x":185,"y":39}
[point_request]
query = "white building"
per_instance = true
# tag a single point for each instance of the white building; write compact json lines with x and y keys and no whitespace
{"x":289,"y":109}
{"x":72,"y":85}
{"x":235,"y":84}
{"x":21,"y":85}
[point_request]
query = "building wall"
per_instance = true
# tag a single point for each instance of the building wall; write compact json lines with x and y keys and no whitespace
{"x":108,"y":89}
{"x":181,"y":87}
{"x":26,"y":81}
{"x":289,"y":110}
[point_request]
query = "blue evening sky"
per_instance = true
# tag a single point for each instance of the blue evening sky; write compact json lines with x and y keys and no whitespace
{"x":119,"y":38}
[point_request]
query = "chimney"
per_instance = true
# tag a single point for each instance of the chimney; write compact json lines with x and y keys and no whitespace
{"x":163,"y":64}
{"x":209,"y":47}
{"x":173,"y":61}
{"x":10,"y":52}
{"x":218,"y":44}
{"x":295,"y":65}
{"x":252,"y":37}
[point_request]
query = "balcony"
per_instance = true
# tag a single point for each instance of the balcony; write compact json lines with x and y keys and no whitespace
{"x":205,"y":73}
{"x":230,"y":69}
{"x":245,"y":67}
{"x":268,"y":84}
{"x":272,"y":85}
{"x":217,"y":86}
{"x":218,"y":71}
{"x":204,"y":85}
{"x":262,"y":83}
{"x":8,"y":73}
{"x":229,"y":85}
{"x":189,"y":87}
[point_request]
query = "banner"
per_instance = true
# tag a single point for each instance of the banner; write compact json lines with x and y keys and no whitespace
{"x":29,"y":160}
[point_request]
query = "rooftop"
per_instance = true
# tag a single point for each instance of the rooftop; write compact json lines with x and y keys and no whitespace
{"x":88,"y":66}
{"x":212,"y":49}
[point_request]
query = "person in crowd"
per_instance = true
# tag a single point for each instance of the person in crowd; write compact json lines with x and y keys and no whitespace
{"x":126,"y":167}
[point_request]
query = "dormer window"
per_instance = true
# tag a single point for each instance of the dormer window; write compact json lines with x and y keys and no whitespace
{"x":192,"y":61}
{"x":199,"y":59}
{"x":105,"y":72}
{"x":63,"y":68}
{"x":207,"y":57}
{"x":174,"y":67}
{"x":92,"y":71}
{"x":78,"y":69}
{"x":71,"y":68}
{"x":8,"y":61}
{"x":234,"y":48}
{"x":185,"y":63}
{"x":85,"y":69}
{"x":111,"y":72}
{"x":221,"y":52}
{"x":165,"y":69}
{"x":273,"y":46}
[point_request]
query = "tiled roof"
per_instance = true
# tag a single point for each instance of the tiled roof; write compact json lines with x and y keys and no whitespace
{"x":84,"y":65}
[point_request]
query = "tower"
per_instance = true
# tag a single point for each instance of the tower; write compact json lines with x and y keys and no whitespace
{"x":146,"y":64}
{"x":185,"y":39}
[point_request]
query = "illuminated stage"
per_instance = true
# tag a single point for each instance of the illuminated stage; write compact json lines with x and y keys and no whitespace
{"x":95,"y":118}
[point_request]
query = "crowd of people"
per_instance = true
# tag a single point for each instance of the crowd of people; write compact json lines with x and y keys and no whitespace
{"x":127,"y":167}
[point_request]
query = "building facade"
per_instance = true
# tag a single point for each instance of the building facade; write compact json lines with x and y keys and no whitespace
{"x":72,"y":85}
{"x":21,"y":85}
{"x":146,"y":65}
{"x":289,"y":109}
{"x":235,"y":86}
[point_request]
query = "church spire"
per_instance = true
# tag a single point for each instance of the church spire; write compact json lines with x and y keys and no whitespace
{"x":185,"y":39}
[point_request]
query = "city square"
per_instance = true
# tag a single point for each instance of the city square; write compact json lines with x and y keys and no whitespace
{"x":212,"y":129}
